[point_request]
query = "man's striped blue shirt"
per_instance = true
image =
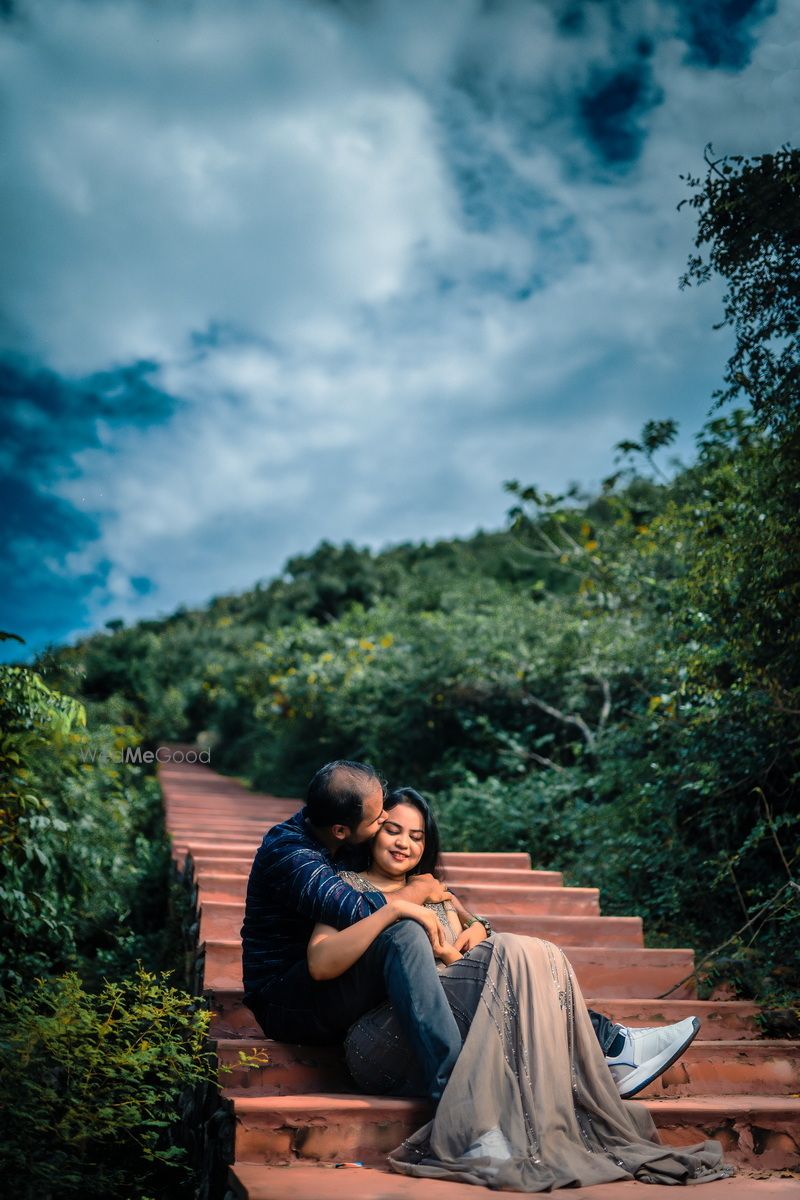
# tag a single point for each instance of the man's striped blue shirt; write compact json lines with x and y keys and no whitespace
{"x":293,"y":885}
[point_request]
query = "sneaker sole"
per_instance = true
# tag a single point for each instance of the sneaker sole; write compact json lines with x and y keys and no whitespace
{"x":638,"y":1080}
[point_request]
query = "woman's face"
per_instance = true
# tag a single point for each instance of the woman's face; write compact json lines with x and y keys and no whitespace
{"x":400,"y":841}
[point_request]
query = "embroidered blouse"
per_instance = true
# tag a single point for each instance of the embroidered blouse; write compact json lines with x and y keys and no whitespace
{"x":445,"y":913}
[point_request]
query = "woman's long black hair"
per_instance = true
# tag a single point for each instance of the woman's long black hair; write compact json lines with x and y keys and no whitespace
{"x":429,"y":863}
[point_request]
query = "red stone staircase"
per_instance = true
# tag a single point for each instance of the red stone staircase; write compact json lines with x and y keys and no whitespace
{"x":295,"y":1117}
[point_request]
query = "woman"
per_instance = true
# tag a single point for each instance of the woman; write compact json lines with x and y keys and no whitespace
{"x":531,"y":1104}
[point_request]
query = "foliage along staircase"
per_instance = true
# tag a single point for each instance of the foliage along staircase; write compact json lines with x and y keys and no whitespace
{"x":296,"y":1114}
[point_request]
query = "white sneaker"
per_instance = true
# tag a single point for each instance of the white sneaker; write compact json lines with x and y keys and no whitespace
{"x":648,"y":1052}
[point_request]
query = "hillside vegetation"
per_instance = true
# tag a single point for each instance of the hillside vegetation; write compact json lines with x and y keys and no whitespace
{"x":611,"y":682}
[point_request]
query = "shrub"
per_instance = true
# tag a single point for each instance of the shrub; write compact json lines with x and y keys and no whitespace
{"x":99,"y":1058}
{"x":92,"y":1085}
{"x":82,"y":845}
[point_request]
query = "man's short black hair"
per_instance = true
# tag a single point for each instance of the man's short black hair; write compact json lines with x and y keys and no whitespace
{"x":336,"y":794}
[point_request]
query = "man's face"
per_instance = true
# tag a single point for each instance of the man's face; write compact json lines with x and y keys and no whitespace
{"x":373,"y":817}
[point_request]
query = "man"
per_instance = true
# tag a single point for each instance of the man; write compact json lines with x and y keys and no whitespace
{"x":294,"y":884}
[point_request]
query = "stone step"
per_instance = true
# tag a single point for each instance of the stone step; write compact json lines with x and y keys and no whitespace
{"x":456,"y":876}
{"x":453,"y":876}
{"x":238,"y":845}
{"x":244,"y":845}
{"x":255,"y":1181}
{"x":200,"y":783}
{"x":251,"y":831}
{"x":323,"y":1127}
{"x":229,"y":834}
{"x":227,"y":799}
{"x":500,"y":858}
{"x":292,"y":1070}
{"x":230,"y":822}
{"x":760,"y":1132}
{"x":722,"y":1019}
{"x":221,"y":837}
{"x":222,"y":846}
{"x":221,"y":917}
{"x":480,"y":898}
{"x":514,"y":898}
{"x":224,"y":794}
{"x":183,"y":845}
{"x":612,"y":971}
{"x":727,"y":1068}
{"x":233,"y":805}
{"x":196,"y":830}
{"x":226,"y":815}
{"x":732,"y":1068}
{"x":218,"y":863}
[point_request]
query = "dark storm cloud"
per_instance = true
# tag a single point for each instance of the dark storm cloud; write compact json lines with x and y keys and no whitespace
{"x":716,"y":33}
{"x":723,"y":33}
{"x":613,"y":112}
{"x":44,"y":419}
{"x":44,"y":416}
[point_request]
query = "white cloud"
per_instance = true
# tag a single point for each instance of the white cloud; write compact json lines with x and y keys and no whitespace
{"x":286,"y":171}
{"x":171,"y":172}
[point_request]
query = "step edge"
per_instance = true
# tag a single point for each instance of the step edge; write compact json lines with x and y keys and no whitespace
{"x":684,"y":952}
{"x":699,"y":1044}
{"x":733,"y":1105}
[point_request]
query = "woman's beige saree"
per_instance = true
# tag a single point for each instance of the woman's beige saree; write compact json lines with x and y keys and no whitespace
{"x":531,"y":1104}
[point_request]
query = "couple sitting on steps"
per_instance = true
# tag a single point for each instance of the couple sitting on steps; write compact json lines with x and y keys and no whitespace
{"x":349,"y":935}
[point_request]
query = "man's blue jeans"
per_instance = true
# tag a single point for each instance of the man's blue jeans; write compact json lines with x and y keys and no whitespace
{"x":398,"y":966}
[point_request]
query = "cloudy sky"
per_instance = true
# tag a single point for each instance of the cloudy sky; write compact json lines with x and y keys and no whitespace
{"x":283,"y":270}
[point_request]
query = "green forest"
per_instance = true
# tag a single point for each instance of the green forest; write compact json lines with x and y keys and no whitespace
{"x":610,"y":682}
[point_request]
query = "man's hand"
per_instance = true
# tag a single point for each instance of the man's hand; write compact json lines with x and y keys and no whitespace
{"x":470,"y":937}
{"x":424,"y":889}
{"x":428,"y":920}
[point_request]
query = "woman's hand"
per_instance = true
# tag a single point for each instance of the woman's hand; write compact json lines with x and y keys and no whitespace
{"x":471,"y":936}
{"x":449,"y":954}
{"x":427,"y":919}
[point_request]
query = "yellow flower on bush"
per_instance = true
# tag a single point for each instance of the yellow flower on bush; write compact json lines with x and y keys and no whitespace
{"x":366,"y":644}
{"x":387,"y":640}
